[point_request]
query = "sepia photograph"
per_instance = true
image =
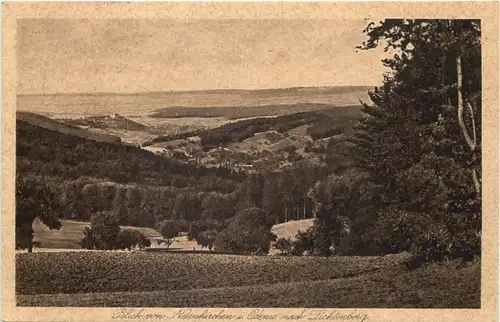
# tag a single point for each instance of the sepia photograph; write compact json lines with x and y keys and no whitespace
{"x":249,"y":163}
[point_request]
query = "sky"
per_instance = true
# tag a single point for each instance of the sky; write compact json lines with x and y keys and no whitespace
{"x":127,"y":56}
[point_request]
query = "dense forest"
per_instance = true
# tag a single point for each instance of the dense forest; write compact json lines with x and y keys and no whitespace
{"x":88,"y":179}
{"x":416,"y":184}
{"x":83,"y":168}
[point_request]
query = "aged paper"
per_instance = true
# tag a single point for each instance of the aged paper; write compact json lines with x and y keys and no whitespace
{"x":194,"y":161}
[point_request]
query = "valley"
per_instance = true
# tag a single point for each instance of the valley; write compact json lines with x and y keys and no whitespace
{"x":158,"y":155}
{"x":243,"y":137}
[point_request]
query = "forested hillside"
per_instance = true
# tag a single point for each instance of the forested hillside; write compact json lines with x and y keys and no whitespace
{"x":324,"y":122}
{"x":70,"y":129}
{"x":136,"y":187}
{"x":52,"y":153}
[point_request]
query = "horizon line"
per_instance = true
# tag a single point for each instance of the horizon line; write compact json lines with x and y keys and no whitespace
{"x":191,"y":91}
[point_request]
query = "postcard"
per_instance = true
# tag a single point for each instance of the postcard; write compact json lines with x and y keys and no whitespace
{"x":272,"y":161}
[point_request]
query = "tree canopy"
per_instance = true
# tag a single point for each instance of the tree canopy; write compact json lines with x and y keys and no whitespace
{"x":34,"y":199}
{"x":420,"y":142}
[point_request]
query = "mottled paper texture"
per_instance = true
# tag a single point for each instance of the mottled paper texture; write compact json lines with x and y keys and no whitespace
{"x":29,"y":45}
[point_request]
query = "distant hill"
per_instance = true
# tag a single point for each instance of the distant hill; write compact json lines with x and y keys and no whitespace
{"x":264,"y":91}
{"x":68,"y":129}
{"x":268,"y":143}
{"x":237,"y":112}
{"x":79,"y":104}
{"x":113,"y":121}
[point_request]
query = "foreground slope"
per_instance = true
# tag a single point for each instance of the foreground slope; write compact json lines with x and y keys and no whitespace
{"x":144,"y":279}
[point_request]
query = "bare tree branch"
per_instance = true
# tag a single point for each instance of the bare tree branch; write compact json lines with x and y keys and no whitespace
{"x":475,"y":178}
{"x":470,"y":142}
{"x":472,"y":108}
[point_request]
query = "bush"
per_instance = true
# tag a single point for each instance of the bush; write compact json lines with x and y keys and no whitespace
{"x":104,"y":230}
{"x":284,"y":245}
{"x":88,"y":241}
{"x":304,"y":242}
{"x":104,"y":233}
{"x":206,"y":238}
{"x":169,"y":229}
{"x":397,"y":230}
{"x":129,"y":238}
{"x":249,"y":231}
{"x":195,"y":228}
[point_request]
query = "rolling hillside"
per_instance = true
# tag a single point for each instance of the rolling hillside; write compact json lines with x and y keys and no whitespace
{"x":50,"y":151}
{"x":267,"y":142}
{"x":114,"y":121}
{"x":319,"y":124}
{"x":64,"y":128}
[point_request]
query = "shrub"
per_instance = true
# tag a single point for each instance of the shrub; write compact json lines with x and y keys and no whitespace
{"x":88,"y":241}
{"x":305,"y":242}
{"x":195,"y":228}
{"x":105,"y":230}
{"x":129,"y":238}
{"x":206,"y":238}
{"x":284,"y":245}
{"x":169,"y":229}
{"x":249,"y":231}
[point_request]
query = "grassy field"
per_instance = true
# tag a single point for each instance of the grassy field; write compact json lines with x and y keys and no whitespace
{"x":144,"y":279}
{"x":71,"y":233}
{"x":289,"y":229}
{"x":153,"y":279}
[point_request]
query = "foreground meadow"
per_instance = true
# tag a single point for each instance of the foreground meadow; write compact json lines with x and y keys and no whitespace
{"x":141,"y":279}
